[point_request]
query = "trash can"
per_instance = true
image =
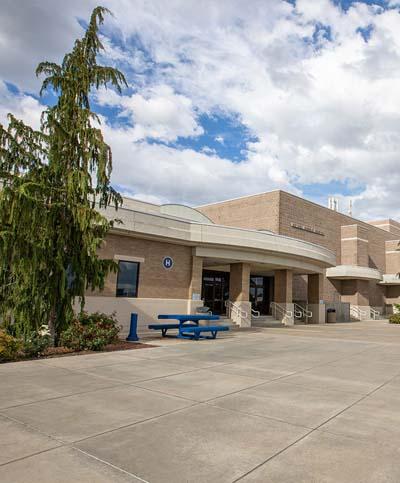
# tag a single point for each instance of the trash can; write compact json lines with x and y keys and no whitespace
{"x":331,"y":315}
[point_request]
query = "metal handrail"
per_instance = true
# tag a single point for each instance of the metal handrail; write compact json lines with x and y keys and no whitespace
{"x":255,"y":313}
{"x":232,"y":307}
{"x":358,"y":312}
{"x":283,"y":311}
{"x":375,"y":313}
{"x":300,"y":312}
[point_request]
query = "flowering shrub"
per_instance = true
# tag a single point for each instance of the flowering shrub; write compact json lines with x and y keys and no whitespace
{"x":91,"y":332}
{"x":10,"y":347}
{"x":37,"y":342}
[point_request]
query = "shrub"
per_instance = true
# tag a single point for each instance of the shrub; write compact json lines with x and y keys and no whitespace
{"x":37,"y":342}
{"x":394,"y":319}
{"x":396,"y":308}
{"x":10,"y":347}
{"x":91,"y":332}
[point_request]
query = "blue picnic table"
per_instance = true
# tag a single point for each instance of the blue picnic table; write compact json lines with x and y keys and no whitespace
{"x":188,"y":325}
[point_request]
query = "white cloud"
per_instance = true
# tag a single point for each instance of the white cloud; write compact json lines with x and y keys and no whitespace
{"x":157,"y":113}
{"x":321,"y":111}
{"x":24,"y":107}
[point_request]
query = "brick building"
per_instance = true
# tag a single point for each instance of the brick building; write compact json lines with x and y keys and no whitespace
{"x":271,"y":253}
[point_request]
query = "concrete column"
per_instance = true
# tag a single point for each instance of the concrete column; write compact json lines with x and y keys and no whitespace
{"x":239,"y":291}
{"x":239,"y":282}
{"x":196,"y":277}
{"x":283,"y":293}
{"x":356,"y":293}
{"x":315,"y":294}
{"x":283,"y":286}
{"x":362,"y":298}
{"x":194,"y":295}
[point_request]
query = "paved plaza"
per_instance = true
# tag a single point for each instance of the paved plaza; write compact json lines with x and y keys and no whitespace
{"x":301,"y":404}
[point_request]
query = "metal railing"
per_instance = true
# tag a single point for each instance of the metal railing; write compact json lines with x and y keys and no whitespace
{"x":280,"y":312}
{"x":233,"y":309}
{"x":375,"y":313}
{"x":357,"y":313}
{"x":255,"y":313}
{"x":302,"y":312}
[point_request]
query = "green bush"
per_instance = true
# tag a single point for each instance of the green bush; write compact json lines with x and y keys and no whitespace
{"x":396,"y":308}
{"x":37,"y":342}
{"x":10,"y":347}
{"x":91,"y":332}
{"x":394,"y":319}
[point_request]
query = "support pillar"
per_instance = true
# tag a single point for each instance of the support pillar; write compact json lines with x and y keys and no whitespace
{"x":283,"y":292}
{"x":315,"y":288}
{"x":283,"y":286}
{"x":356,"y":293}
{"x":239,"y":291}
{"x":195,"y":285}
{"x":362,"y":298}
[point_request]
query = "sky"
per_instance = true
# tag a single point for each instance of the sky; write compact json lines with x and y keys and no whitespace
{"x":229,"y":98}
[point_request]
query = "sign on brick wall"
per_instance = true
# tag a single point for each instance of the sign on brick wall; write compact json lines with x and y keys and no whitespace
{"x":310,"y":229}
{"x":168,"y":263}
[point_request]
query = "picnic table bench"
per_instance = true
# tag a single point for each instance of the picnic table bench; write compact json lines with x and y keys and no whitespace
{"x":163,"y":327}
{"x":188,"y":326}
{"x":196,"y":331}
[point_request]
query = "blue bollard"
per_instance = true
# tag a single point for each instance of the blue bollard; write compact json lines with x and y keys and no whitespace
{"x":132,"y":337}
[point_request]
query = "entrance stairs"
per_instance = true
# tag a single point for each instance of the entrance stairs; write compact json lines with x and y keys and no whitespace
{"x":265,"y":321}
{"x":261,"y":321}
{"x":223,"y":320}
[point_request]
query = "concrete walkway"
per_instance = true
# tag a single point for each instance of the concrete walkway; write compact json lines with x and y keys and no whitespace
{"x":302,"y":404}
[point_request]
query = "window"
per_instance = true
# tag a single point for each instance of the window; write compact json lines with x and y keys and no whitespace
{"x":128,"y":278}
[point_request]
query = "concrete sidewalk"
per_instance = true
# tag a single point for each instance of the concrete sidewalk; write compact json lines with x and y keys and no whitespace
{"x":300,"y":404}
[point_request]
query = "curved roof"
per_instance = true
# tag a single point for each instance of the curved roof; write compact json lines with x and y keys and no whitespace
{"x":184,"y":212}
{"x":222,"y":242}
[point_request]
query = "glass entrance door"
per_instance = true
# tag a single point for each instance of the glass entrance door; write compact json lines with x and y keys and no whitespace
{"x":215,"y":290}
{"x":261,"y":293}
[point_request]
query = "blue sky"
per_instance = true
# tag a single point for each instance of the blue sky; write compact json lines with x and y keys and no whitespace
{"x":224,"y":102}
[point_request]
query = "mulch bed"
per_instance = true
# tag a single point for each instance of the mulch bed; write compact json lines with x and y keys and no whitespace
{"x":52,"y":352}
{"x":121,"y":345}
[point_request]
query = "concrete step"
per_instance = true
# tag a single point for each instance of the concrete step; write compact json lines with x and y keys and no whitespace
{"x":223,"y":321}
{"x":265,"y":321}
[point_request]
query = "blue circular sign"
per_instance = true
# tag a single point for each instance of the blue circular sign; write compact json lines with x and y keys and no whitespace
{"x":168,"y":263}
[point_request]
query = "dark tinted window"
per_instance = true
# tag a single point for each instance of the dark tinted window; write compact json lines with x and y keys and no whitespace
{"x":128,"y":278}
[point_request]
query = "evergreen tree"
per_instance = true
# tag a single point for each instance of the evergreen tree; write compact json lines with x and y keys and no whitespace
{"x":52,"y":180}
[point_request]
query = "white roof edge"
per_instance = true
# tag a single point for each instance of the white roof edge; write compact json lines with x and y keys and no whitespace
{"x":233,"y":228}
{"x":353,"y":272}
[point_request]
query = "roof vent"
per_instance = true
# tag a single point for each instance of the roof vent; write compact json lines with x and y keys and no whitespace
{"x":333,"y":203}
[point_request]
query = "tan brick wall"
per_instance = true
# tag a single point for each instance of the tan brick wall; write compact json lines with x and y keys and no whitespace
{"x":315,"y":288}
{"x":354,"y":245}
{"x":392,"y":256}
{"x":300,"y":288}
{"x":355,"y":292}
{"x":393,"y":294}
{"x":389,"y":225}
{"x":154,"y":280}
{"x":280,"y":212}
{"x":296,"y":210}
{"x":258,"y":212}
